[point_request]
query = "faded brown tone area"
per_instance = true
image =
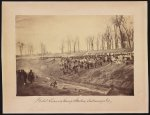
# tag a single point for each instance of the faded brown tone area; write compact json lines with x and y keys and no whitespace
{"x":34,"y":29}
{"x":13,"y":104}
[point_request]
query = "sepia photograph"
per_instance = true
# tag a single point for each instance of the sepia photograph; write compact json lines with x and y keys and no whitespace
{"x":74,"y":55}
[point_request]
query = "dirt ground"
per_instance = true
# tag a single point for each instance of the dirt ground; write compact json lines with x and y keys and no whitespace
{"x":95,"y":81}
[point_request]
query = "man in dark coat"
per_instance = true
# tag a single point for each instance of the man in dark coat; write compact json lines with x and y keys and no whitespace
{"x":31,"y":76}
{"x":24,"y":77}
{"x":21,"y":77}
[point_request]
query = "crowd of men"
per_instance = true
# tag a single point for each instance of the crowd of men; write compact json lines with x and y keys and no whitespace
{"x":23,"y":77}
{"x":75,"y":64}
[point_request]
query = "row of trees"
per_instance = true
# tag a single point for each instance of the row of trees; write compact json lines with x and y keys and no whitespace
{"x":126,"y":32}
{"x":117,"y":35}
{"x":72,"y":45}
{"x":28,"y":48}
{"x":23,"y":48}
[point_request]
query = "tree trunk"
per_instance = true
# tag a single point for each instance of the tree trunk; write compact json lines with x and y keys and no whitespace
{"x":121,"y":38}
{"x":127,"y":36}
{"x":116,"y":39}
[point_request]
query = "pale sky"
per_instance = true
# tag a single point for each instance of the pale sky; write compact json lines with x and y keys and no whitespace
{"x":51,"y":30}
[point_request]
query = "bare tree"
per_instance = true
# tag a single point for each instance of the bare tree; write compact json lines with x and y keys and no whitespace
{"x":20,"y":46}
{"x":97,"y":43}
{"x":108,"y":37}
{"x":87,"y":43}
{"x":25,"y":49}
{"x":118,"y":21}
{"x":100,"y":41}
{"x":91,"y":42}
{"x":74,"y":45}
{"x":112,"y":42}
{"x":69,"y":45}
{"x":131,"y":37}
{"x":116,"y":37}
{"x":30,"y":49}
{"x":128,"y":32}
{"x":78,"y":44}
{"x":103,"y":42}
{"x":62,"y":47}
{"x":43,"y":50}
